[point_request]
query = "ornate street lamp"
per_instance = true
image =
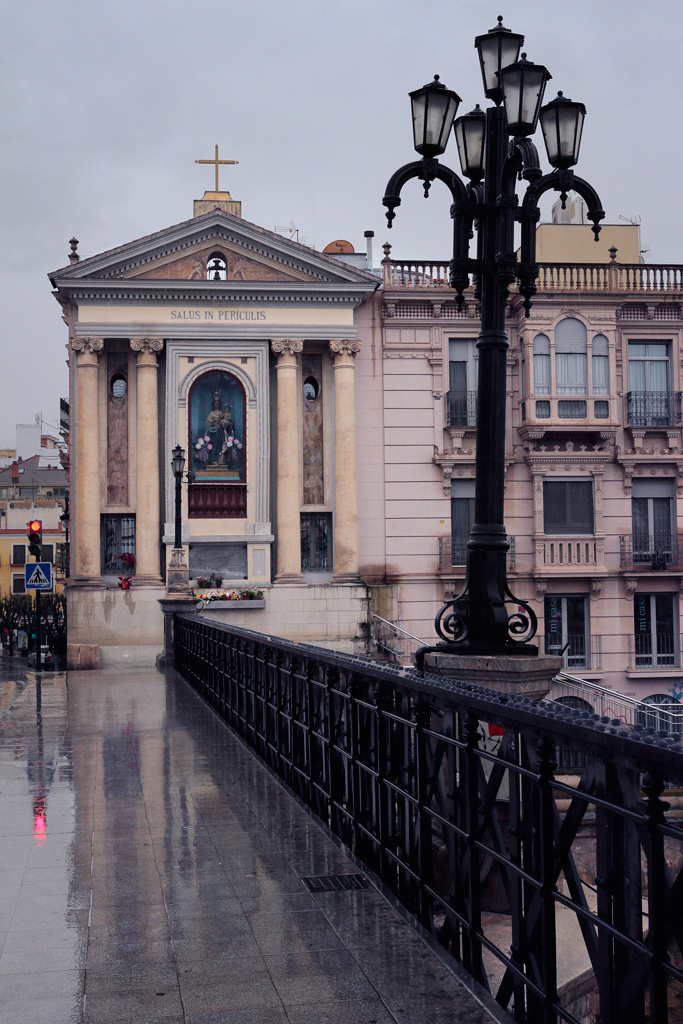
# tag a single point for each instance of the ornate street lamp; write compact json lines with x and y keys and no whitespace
{"x":495,"y":152}
{"x":178,"y":467}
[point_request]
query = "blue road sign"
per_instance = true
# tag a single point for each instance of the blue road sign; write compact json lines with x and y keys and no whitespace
{"x":38,"y":575}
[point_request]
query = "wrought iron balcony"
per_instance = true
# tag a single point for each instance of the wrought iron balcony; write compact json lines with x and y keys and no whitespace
{"x":651,"y":552}
{"x":453,"y":556}
{"x":655,"y":650}
{"x":578,"y":650}
{"x":653,"y":408}
{"x":461,"y":408}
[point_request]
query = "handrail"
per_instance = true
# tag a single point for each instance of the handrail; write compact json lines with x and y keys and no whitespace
{"x":408,"y":773}
{"x":398,"y":629}
{"x":637,"y":706}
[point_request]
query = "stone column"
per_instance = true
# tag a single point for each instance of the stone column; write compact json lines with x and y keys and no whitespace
{"x":345,"y":491}
{"x":86,"y":551}
{"x":147,"y":513}
{"x":288,"y":489}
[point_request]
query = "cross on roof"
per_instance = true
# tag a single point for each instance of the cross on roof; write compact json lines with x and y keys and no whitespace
{"x":216,"y":162}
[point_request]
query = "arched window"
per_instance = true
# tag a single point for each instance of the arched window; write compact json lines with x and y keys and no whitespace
{"x":600,"y":365}
{"x":570,"y":357}
{"x":666,"y":713}
{"x":217,"y":267}
{"x":541,"y":364}
{"x":217,"y":428}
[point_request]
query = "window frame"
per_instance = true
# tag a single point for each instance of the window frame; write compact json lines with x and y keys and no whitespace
{"x":568,"y":528}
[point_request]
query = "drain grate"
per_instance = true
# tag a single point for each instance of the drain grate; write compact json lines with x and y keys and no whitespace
{"x":336,"y":883}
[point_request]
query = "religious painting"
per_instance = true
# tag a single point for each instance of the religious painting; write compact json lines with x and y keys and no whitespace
{"x":217,"y":442}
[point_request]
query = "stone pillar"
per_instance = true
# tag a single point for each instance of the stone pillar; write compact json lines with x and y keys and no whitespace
{"x":147,"y":513}
{"x":288,"y":490}
{"x":345,"y":491}
{"x":86,"y":552}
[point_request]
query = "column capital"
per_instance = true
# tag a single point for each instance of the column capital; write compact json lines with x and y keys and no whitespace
{"x":345,"y":347}
{"x":146,"y":344}
{"x":87,"y":344}
{"x":287,"y":346}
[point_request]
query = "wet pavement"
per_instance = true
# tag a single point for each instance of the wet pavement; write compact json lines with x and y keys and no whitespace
{"x":152,"y":872}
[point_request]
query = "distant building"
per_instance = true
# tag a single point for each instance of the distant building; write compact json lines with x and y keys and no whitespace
{"x":14,"y":545}
{"x":27,"y":480}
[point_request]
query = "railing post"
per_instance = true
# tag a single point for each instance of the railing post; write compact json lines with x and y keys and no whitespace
{"x":546,"y":949}
{"x":472,"y":946}
{"x":656,"y":895}
{"x":424,"y":837}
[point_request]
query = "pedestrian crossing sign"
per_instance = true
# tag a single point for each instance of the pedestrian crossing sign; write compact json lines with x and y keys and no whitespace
{"x":38,"y":576}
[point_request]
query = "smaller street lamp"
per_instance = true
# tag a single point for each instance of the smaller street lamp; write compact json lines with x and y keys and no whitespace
{"x":470,"y":135}
{"x":523,"y":85}
{"x":434,"y":107}
{"x":178,"y":466}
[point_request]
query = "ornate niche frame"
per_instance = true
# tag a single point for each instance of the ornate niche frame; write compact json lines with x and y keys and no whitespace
{"x":217,"y":403}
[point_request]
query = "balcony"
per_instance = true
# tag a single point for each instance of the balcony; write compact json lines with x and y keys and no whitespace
{"x":578,"y":650}
{"x":217,"y":501}
{"x":565,"y":555}
{"x":654,"y":650}
{"x":453,"y":556}
{"x":556,"y":413}
{"x":461,"y":408}
{"x":651,"y":553}
{"x":653,"y":408}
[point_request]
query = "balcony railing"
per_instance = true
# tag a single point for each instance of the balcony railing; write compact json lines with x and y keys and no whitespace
{"x":566,"y":554}
{"x":578,"y":650}
{"x":449,"y":795}
{"x":630,"y":278}
{"x":217,"y":501}
{"x":461,"y":408}
{"x":654,"y":650}
{"x":653,"y":408}
{"x":453,"y":555}
{"x":651,"y":552}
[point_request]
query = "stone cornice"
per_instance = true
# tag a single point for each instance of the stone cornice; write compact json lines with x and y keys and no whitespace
{"x":297,"y":292}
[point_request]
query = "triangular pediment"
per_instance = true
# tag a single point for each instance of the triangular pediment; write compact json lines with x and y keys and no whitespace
{"x":180,"y":253}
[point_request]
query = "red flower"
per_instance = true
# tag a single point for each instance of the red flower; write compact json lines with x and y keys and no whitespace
{"x":125,"y":582}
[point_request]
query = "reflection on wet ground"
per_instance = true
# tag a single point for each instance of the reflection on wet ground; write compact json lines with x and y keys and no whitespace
{"x":152,"y":872}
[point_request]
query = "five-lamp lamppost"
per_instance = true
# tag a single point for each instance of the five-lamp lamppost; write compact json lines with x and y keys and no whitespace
{"x":495,"y":151}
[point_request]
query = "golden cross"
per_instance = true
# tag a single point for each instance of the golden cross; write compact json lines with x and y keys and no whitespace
{"x":216,"y":162}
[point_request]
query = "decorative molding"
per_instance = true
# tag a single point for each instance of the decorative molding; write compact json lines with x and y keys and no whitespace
{"x":87,"y":344}
{"x":596,"y":588}
{"x":631,"y":584}
{"x":210,"y":365}
{"x":288,"y":346}
{"x":146,"y":344}
{"x":345,"y":347}
{"x":541,"y":588}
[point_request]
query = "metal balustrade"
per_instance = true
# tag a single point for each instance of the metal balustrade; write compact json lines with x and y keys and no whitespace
{"x":461,"y":408}
{"x":448,"y":794}
{"x":653,"y":408}
{"x":655,"y":552}
{"x":578,"y":650}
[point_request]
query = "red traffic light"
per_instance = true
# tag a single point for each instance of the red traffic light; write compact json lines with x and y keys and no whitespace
{"x":35,"y":537}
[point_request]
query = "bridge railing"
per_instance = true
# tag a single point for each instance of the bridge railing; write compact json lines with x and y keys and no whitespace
{"x":448,"y":793}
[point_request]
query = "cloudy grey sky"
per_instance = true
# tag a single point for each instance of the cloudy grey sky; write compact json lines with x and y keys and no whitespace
{"x":107,"y":106}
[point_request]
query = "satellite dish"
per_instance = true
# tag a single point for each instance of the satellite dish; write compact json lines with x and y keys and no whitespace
{"x":340,"y":245}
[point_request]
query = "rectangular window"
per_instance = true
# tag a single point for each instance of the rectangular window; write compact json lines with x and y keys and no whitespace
{"x":48,"y":554}
{"x":462,"y":382}
{"x":652,"y":522}
{"x":316,"y":542}
{"x":568,"y":506}
{"x":18,"y":554}
{"x":655,"y":638}
{"x":541,"y":364}
{"x":571,"y":410}
{"x":600,"y":365}
{"x":649,"y":379}
{"x":566,"y":629}
{"x":117,"y":545}
{"x":18,"y":583}
{"x":462,"y":517}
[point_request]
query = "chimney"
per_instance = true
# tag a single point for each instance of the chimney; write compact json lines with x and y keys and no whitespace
{"x":15,"y":472}
{"x":369,"y":235}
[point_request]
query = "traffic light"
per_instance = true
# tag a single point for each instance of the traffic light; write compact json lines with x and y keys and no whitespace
{"x":35,"y":537}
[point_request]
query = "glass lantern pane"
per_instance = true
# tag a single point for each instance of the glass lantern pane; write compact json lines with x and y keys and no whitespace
{"x":419,"y":107}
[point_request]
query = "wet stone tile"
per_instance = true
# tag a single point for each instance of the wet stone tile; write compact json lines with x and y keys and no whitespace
{"x":227,"y":985}
{"x":323,"y":976}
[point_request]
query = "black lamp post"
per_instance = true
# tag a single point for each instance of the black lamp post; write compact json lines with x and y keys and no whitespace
{"x":495,"y":152}
{"x":178,"y":466}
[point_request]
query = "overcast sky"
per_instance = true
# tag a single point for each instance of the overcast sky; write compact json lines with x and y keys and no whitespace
{"x":107,"y":106}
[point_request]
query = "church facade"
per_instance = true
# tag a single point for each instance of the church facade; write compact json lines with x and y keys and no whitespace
{"x":255,"y":354}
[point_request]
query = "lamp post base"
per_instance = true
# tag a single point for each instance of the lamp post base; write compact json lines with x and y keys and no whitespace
{"x":519,"y":672}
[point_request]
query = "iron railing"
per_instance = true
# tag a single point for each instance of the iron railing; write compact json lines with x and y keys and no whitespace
{"x":655,"y":552}
{"x":578,"y":650}
{"x":653,"y":408}
{"x":588,"y":695}
{"x":393,"y":642}
{"x":461,"y":408}
{"x":447,"y":793}
{"x":655,"y":650}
